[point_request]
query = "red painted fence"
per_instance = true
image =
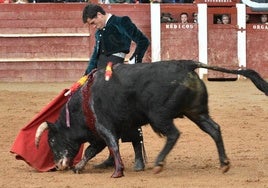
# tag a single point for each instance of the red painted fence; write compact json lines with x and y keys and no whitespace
{"x":49,"y":42}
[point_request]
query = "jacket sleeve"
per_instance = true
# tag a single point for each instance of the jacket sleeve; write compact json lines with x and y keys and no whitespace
{"x":142,"y":42}
{"x":92,"y":64}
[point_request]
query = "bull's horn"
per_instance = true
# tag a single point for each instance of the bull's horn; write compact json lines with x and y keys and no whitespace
{"x":42,"y":127}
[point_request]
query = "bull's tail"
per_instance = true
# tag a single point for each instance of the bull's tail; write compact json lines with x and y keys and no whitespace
{"x":257,"y":80}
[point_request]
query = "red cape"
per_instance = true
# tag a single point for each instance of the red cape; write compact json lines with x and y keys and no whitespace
{"x":24,"y":147}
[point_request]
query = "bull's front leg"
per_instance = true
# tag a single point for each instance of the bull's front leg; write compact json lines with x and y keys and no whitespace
{"x":90,"y":152}
{"x":111,"y":141}
{"x":119,"y":167}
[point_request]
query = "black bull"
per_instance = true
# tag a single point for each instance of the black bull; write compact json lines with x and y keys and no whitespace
{"x":155,"y":94}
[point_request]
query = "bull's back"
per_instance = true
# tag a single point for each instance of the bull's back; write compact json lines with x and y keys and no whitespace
{"x":144,"y":89}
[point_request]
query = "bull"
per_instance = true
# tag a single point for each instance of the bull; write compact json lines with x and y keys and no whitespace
{"x":75,"y":127}
{"x":155,"y":94}
{"x":136,"y":95}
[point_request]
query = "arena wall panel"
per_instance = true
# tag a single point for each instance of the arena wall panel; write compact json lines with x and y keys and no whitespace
{"x":49,"y":42}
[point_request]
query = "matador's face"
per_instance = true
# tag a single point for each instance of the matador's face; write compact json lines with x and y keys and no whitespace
{"x":97,"y":22}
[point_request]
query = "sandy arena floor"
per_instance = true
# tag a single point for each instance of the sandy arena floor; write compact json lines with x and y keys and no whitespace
{"x":239,"y":107}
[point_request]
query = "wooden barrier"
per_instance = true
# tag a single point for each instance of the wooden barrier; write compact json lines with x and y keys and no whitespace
{"x":257,"y":56}
{"x":42,"y":71}
{"x":257,"y":37}
{"x":42,"y":42}
{"x":49,"y":42}
{"x":179,"y":41}
{"x":222,"y":43}
{"x":219,"y":3}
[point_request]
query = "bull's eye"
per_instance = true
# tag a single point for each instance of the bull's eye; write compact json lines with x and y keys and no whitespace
{"x":52,"y":141}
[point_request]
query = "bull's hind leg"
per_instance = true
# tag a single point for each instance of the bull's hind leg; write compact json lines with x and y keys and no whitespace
{"x":206,"y":124}
{"x":168,"y":129}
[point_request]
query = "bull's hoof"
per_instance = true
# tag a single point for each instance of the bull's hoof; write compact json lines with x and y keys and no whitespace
{"x":76,"y":171}
{"x":117,"y":174}
{"x":139,"y":165}
{"x":158,"y":168}
{"x":138,"y":169}
{"x":225,"y":168}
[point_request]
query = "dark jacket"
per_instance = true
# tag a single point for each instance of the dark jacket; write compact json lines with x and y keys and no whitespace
{"x":116,"y":37}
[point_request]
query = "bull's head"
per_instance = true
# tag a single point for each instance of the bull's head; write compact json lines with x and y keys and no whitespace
{"x":63,"y":148}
